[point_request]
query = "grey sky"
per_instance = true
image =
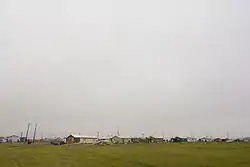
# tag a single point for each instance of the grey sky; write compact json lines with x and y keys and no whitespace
{"x":179,"y":67}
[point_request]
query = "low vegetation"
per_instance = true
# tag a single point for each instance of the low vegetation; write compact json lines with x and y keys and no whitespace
{"x":131,"y":155}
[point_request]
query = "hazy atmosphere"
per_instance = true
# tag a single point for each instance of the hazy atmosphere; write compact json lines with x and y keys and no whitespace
{"x":176,"y":67}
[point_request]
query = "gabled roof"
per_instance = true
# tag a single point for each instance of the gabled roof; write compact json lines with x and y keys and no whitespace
{"x":82,"y":137}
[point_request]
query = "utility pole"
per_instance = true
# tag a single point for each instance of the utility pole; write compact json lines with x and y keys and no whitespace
{"x":228,"y":136}
{"x":27,"y":133}
{"x":42,"y":135}
{"x":118,"y":132}
{"x":98,"y":135}
{"x":21,"y":138}
{"x":34,"y":136}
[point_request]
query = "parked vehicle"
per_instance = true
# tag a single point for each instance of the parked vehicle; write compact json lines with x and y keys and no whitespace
{"x":57,"y":142}
{"x":2,"y":140}
{"x":102,"y":143}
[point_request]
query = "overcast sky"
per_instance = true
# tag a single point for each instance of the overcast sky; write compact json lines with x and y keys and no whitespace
{"x":176,"y":67}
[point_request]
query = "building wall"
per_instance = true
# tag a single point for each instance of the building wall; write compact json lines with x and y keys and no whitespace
{"x":89,"y":141}
{"x":126,"y":141}
{"x":77,"y":140}
{"x":13,"y":139}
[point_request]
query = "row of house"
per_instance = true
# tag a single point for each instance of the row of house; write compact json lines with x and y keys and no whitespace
{"x":207,"y":139}
{"x":127,"y":140}
{"x":114,"y":140}
{"x":10,"y":139}
{"x":72,"y":139}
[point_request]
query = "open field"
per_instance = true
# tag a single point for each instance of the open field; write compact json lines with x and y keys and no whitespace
{"x":134,"y":155}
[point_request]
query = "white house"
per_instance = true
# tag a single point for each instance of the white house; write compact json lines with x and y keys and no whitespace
{"x":246,"y":139}
{"x":13,"y":138}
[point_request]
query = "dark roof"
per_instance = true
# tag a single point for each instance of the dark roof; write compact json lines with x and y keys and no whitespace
{"x":122,"y":137}
{"x":83,"y":137}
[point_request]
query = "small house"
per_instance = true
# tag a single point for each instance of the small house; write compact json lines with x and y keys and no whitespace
{"x":152,"y":139}
{"x":246,"y":139}
{"x":81,"y":139}
{"x":178,"y":139}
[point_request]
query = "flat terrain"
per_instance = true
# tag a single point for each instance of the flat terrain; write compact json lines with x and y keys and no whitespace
{"x":134,"y":155}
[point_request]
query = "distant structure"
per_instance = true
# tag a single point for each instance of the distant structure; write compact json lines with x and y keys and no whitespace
{"x":81,"y":139}
{"x":13,"y":138}
{"x":152,"y":139}
{"x":121,"y":140}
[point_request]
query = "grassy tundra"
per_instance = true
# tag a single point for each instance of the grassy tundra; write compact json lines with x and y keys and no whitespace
{"x":134,"y":155}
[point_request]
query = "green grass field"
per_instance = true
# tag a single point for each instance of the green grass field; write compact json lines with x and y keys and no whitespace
{"x":134,"y":155}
